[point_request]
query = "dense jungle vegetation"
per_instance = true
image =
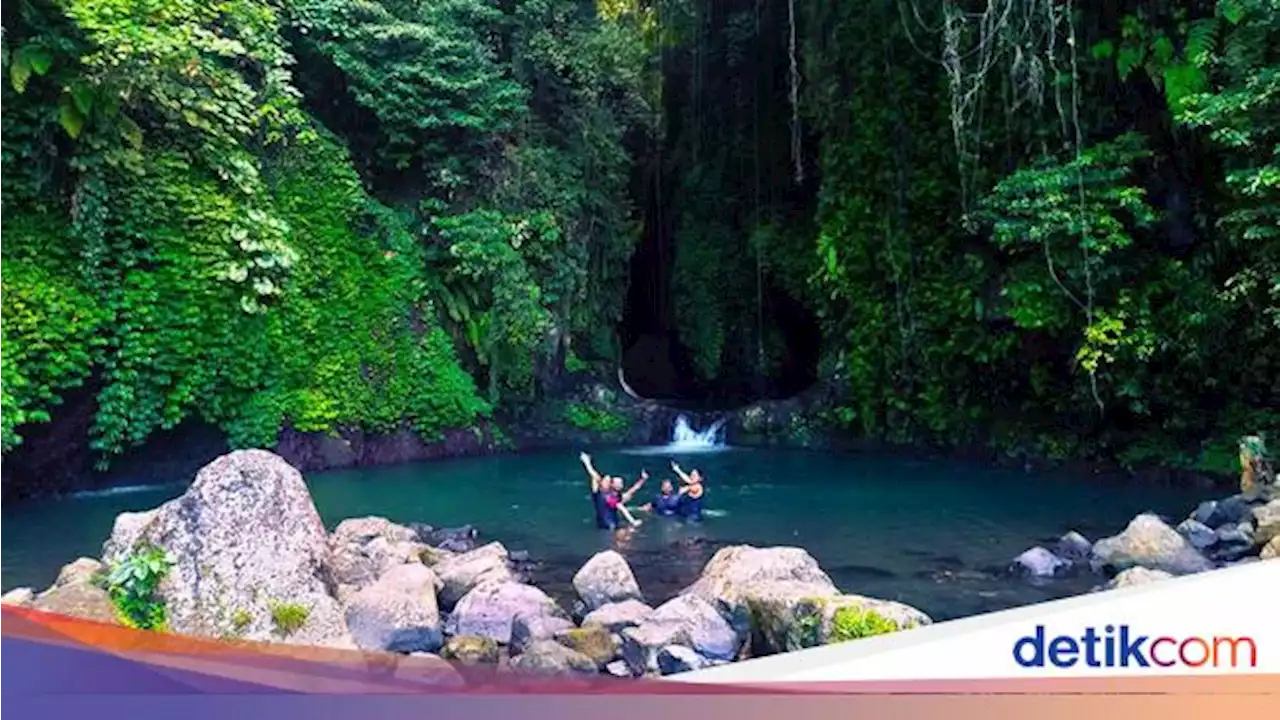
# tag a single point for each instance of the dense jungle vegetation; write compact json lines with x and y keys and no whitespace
{"x":1046,"y":226}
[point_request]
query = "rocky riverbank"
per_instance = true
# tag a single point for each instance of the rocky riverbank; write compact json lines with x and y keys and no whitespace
{"x":1241,"y":528}
{"x":243,"y":555}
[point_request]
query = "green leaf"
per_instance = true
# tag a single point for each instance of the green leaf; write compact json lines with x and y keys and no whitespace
{"x":71,"y":119}
{"x":1232,"y":10}
{"x":82,"y":94}
{"x":39,"y":58}
{"x":1162,"y":49}
{"x":19,"y":72}
{"x":1127,"y":59}
{"x":1103,"y":50}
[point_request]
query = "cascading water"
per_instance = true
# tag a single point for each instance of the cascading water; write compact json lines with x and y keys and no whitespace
{"x":685,"y":440}
{"x":683,"y":435}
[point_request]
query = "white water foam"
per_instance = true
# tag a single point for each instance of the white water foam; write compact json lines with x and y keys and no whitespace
{"x":685,"y":440}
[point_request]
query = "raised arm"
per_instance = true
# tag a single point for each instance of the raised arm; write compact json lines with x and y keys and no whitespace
{"x":591,"y":471}
{"x":626,"y":496}
{"x":684,"y":477}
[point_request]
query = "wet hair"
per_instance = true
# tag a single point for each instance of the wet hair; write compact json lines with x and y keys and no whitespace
{"x":668,"y":486}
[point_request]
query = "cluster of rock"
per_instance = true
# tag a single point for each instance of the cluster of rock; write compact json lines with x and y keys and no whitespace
{"x":1237,"y":529}
{"x":247,"y":540}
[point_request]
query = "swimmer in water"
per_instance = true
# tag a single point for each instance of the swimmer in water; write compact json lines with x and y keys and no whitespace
{"x":666,"y":503}
{"x":691,"y":494}
{"x":607,"y":496}
{"x":620,"y":497}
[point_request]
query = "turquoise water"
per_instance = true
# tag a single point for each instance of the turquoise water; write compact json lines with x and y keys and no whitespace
{"x":932,"y":534}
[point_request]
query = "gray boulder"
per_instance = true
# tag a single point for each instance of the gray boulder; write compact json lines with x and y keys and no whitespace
{"x":462,"y":573}
{"x":594,"y":641}
{"x":1266,"y":522}
{"x":398,"y":612}
{"x":547,"y":657}
{"x":618,"y":669}
{"x":1200,"y":536}
{"x":1136,"y":576}
{"x":79,"y":571}
{"x":1232,"y":542}
{"x":1038,"y":563}
{"x":618,"y":615}
{"x":363,"y":549}
{"x":252,"y":556}
{"x":361,"y":530}
{"x":606,"y":578}
{"x":21,"y":597}
{"x":472,"y":650}
{"x":526,"y":629}
{"x":1229,"y":511}
{"x":1149,"y":542}
{"x":125,"y":533}
{"x":1205,"y":512}
{"x":741,"y":575}
{"x":684,"y":620}
{"x":491,"y":608}
{"x":1073,"y":548}
{"x":674,"y":659}
{"x":1271,"y":550}
{"x":78,"y":600}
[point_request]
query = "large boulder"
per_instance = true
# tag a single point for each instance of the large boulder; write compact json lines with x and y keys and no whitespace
{"x":1232,"y":542}
{"x":361,"y":530}
{"x":1266,"y":522}
{"x":1227,"y":511}
{"x":79,"y":571}
{"x":606,"y":578}
{"x":1149,"y":542}
{"x":594,"y":641}
{"x":685,"y":620}
{"x":462,"y":573}
{"x":1271,"y":550}
{"x":125,"y":533}
{"x":1200,"y":536}
{"x":20,"y":597}
{"x":398,"y":612}
{"x":78,"y":600}
{"x":794,"y":621}
{"x":471,"y":650}
{"x":491,"y":608}
{"x":739,"y":576}
{"x":252,"y":556}
{"x":526,"y":629}
{"x":848,"y":617}
{"x":548,"y":657}
{"x":363,"y":549}
{"x":619,"y":615}
{"x":1136,"y":576}
{"x":675,"y":659}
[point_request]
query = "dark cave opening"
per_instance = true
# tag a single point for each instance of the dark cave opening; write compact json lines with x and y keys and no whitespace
{"x":658,"y":364}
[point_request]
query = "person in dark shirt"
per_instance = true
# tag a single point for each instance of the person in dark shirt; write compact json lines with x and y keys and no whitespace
{"x":608,"y":497}
{"x":666,"y":503}
{"x":691,"y":494}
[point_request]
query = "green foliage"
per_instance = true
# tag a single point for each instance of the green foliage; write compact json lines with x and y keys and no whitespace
{"x":184,"y":233}
{"x":852,"y":623}
{"x":593,"y":419}
{"x":132,"y":585}
{"x":289,"y":618}
{"x":241,"y":619}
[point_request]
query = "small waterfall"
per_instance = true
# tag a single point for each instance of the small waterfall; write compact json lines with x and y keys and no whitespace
{"x":685,"y":440}
{"x":684,"y":436}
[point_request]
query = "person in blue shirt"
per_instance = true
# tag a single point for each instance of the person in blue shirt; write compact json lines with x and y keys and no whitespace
{"x":666,"y":503}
